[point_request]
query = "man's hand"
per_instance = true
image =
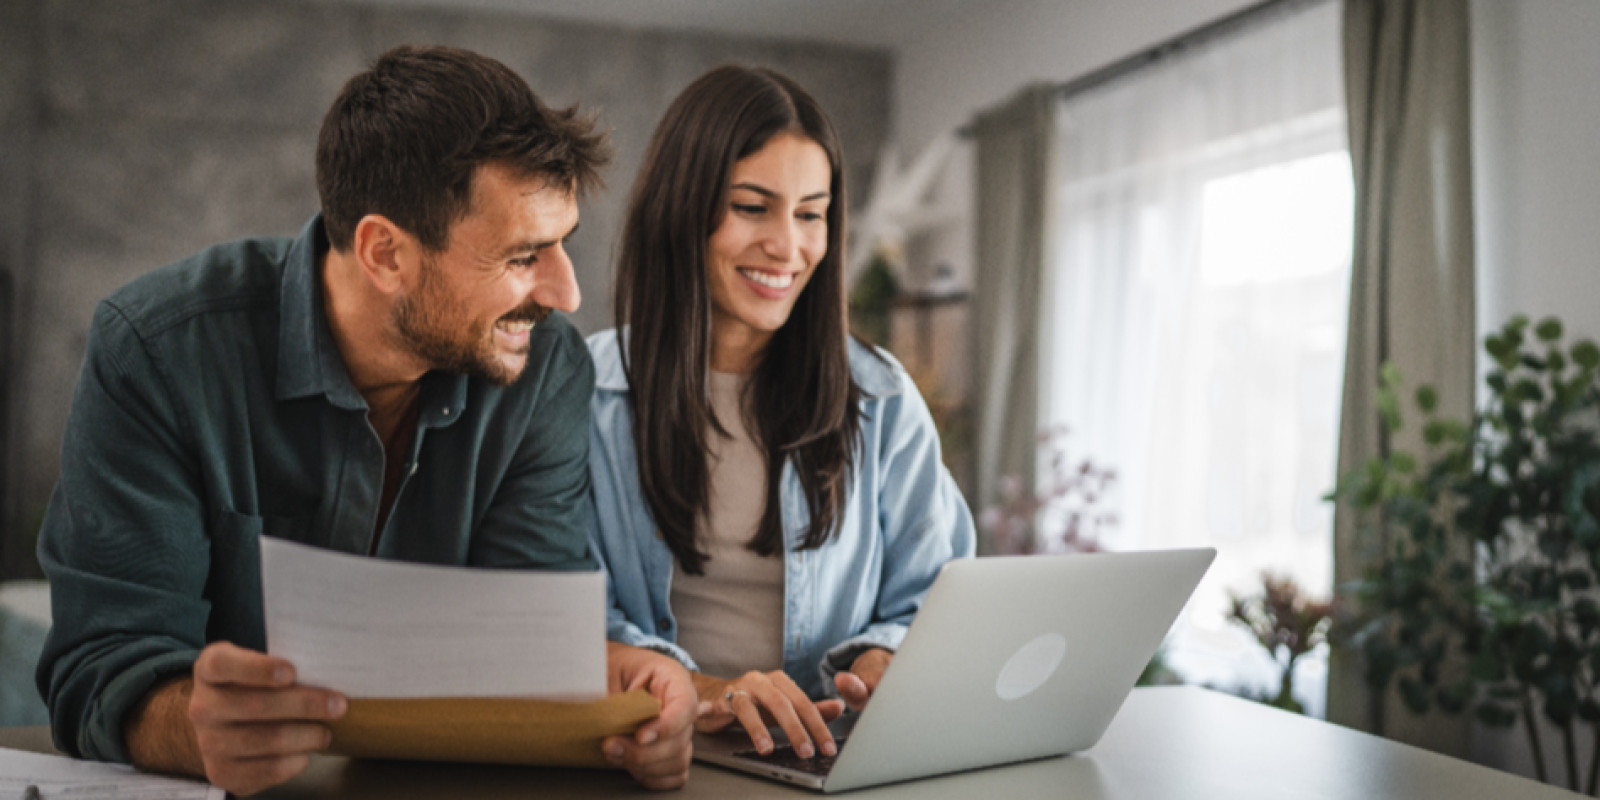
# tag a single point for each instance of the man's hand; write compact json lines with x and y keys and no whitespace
{"x":759,"y":700}
{"x":857,"y":685}
{"x":241,"y":722}
{"x":659,"y":752}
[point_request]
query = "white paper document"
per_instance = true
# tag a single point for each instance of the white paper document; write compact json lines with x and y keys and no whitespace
{"x":59,"y":777}
{"x":373,"y":628}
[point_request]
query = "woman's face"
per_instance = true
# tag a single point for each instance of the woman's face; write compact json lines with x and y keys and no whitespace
{"x":773,"y":233}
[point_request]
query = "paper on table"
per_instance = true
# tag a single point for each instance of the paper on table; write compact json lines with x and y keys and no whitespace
{"x":57,"y":776}
{"x":373,"y":628}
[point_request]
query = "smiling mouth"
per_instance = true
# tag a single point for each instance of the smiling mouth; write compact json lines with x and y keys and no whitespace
{"x":523,"y":319}
{"x":782,"y":280}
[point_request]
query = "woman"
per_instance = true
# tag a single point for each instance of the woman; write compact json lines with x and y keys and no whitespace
{"x":769,"y":500}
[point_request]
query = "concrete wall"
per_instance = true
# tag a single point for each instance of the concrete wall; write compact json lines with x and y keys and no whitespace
{"x":1536,"y":164}
{"x":1537,"y":160}
{"x":18,"y":123}
{"x":166,"y":125}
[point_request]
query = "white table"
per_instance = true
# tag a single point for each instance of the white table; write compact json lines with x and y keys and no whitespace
{"x":1166,"y":743}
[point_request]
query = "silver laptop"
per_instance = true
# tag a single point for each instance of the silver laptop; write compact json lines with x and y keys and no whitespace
{"x":1010,"y":659}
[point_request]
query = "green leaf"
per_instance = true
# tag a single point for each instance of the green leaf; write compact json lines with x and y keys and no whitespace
{"x":1549,"y":329}
{"x":1414,"y":695}
{"x":1577,"y":580}
{"x":1527,"y":390}
{"x":1587,"y":610}
{"x":1403,"y":462}
{"x":1495,"y":346}
{"x":1504,"y":692}
{"x":1427,"y":398}
{"x":1389,"y":375}
{"x":1486,"y":666}
{"x":1560,"y":703}
{"x":1497,"y":716}
{"x":1586,"y":354}
{"x":1589,"y":711}
{"x":1556,"y":360}
{"x":1454,"y":430}
{"x":1433,"y":432}
{"x":1453,"y":699}
{"x":1388,"y":410}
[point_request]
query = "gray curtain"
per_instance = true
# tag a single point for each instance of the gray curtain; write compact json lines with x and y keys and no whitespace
{"x":1411,"y":299}
{"x":1014,"y":145}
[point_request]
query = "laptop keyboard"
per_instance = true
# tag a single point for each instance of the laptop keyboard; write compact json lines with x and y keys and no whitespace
{"x":786,"y":758}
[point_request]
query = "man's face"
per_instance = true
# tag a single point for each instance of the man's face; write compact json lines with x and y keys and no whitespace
{"x":503,"y":269}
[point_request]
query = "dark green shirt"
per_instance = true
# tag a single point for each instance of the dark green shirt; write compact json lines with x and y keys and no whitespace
{"x":214,"y":408}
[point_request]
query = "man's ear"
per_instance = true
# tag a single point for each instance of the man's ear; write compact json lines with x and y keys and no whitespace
{"x":388,"y":255}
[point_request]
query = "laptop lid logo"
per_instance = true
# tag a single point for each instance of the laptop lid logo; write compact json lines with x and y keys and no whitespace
{"x":1030,"y":666}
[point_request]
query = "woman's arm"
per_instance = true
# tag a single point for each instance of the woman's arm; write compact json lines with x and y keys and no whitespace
{"x":619,"y":627}
{"x":924,"y":523}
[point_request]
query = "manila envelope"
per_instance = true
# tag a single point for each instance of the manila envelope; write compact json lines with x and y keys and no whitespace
{"x":492,"y":730}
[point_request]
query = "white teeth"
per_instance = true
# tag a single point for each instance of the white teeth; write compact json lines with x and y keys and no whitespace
{"x":780,"y":281}
{"x":514,"y":327}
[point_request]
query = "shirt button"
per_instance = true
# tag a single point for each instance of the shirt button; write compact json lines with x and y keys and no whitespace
{"x":447,"y":411}
{"x":663,"y":624}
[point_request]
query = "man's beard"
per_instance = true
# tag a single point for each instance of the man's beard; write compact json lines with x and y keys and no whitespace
{"x":433,"y":327}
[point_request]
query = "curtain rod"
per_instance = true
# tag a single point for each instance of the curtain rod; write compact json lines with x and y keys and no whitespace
{"x":1218,"y":28}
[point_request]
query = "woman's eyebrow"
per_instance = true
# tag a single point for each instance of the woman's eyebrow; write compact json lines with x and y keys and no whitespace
{"x":768,"y":193}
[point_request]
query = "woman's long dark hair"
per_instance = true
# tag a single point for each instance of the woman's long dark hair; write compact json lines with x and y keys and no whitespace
{"x":805,"y":407}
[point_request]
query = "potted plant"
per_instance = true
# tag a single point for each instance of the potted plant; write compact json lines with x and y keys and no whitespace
{"x":1061,"y":515}
{"x":1484,"y":551}
{"x":1288,"y":625}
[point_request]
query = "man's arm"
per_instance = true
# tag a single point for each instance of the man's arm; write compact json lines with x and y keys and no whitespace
{"x":123,"y":544}
{"x":126,"y":670}
{"x":240,"y":722}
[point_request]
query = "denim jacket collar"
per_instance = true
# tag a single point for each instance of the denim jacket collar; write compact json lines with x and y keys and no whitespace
{"x":874,"y":376}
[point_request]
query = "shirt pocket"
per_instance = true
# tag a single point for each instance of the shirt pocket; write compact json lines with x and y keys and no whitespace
{"x":234,"y":584}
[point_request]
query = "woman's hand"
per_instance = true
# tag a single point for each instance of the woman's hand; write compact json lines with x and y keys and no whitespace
{"x":857,"y":685}
{"x":760,"y":700}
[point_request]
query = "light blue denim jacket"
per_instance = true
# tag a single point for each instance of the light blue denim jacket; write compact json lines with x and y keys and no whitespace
{"x":904,"y":518}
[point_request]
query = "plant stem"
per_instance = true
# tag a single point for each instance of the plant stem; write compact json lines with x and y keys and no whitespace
{"x":1285,"y":699}
{"x":1571,"y":752}
{"x":1594,"y":761}
{"x":1533,"y":735}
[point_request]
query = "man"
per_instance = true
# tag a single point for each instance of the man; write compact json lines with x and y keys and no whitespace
{"x":392,"y":382}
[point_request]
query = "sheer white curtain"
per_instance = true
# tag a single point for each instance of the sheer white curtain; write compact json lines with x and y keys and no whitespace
{"x":1195,"y":313}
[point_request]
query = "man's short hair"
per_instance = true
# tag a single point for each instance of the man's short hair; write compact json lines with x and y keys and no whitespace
{"x":405,"y":138}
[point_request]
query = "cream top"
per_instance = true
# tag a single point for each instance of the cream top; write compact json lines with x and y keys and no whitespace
{"x":731,"y":618}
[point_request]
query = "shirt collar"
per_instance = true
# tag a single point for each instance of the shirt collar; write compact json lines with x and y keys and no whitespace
{"x":872,"y":369}
{"x":309,"y":362}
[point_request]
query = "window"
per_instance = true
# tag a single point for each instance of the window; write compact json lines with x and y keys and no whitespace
{"x":1195,"y":316}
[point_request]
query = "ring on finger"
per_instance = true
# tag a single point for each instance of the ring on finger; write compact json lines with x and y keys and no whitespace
{"x":728,"y":698}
